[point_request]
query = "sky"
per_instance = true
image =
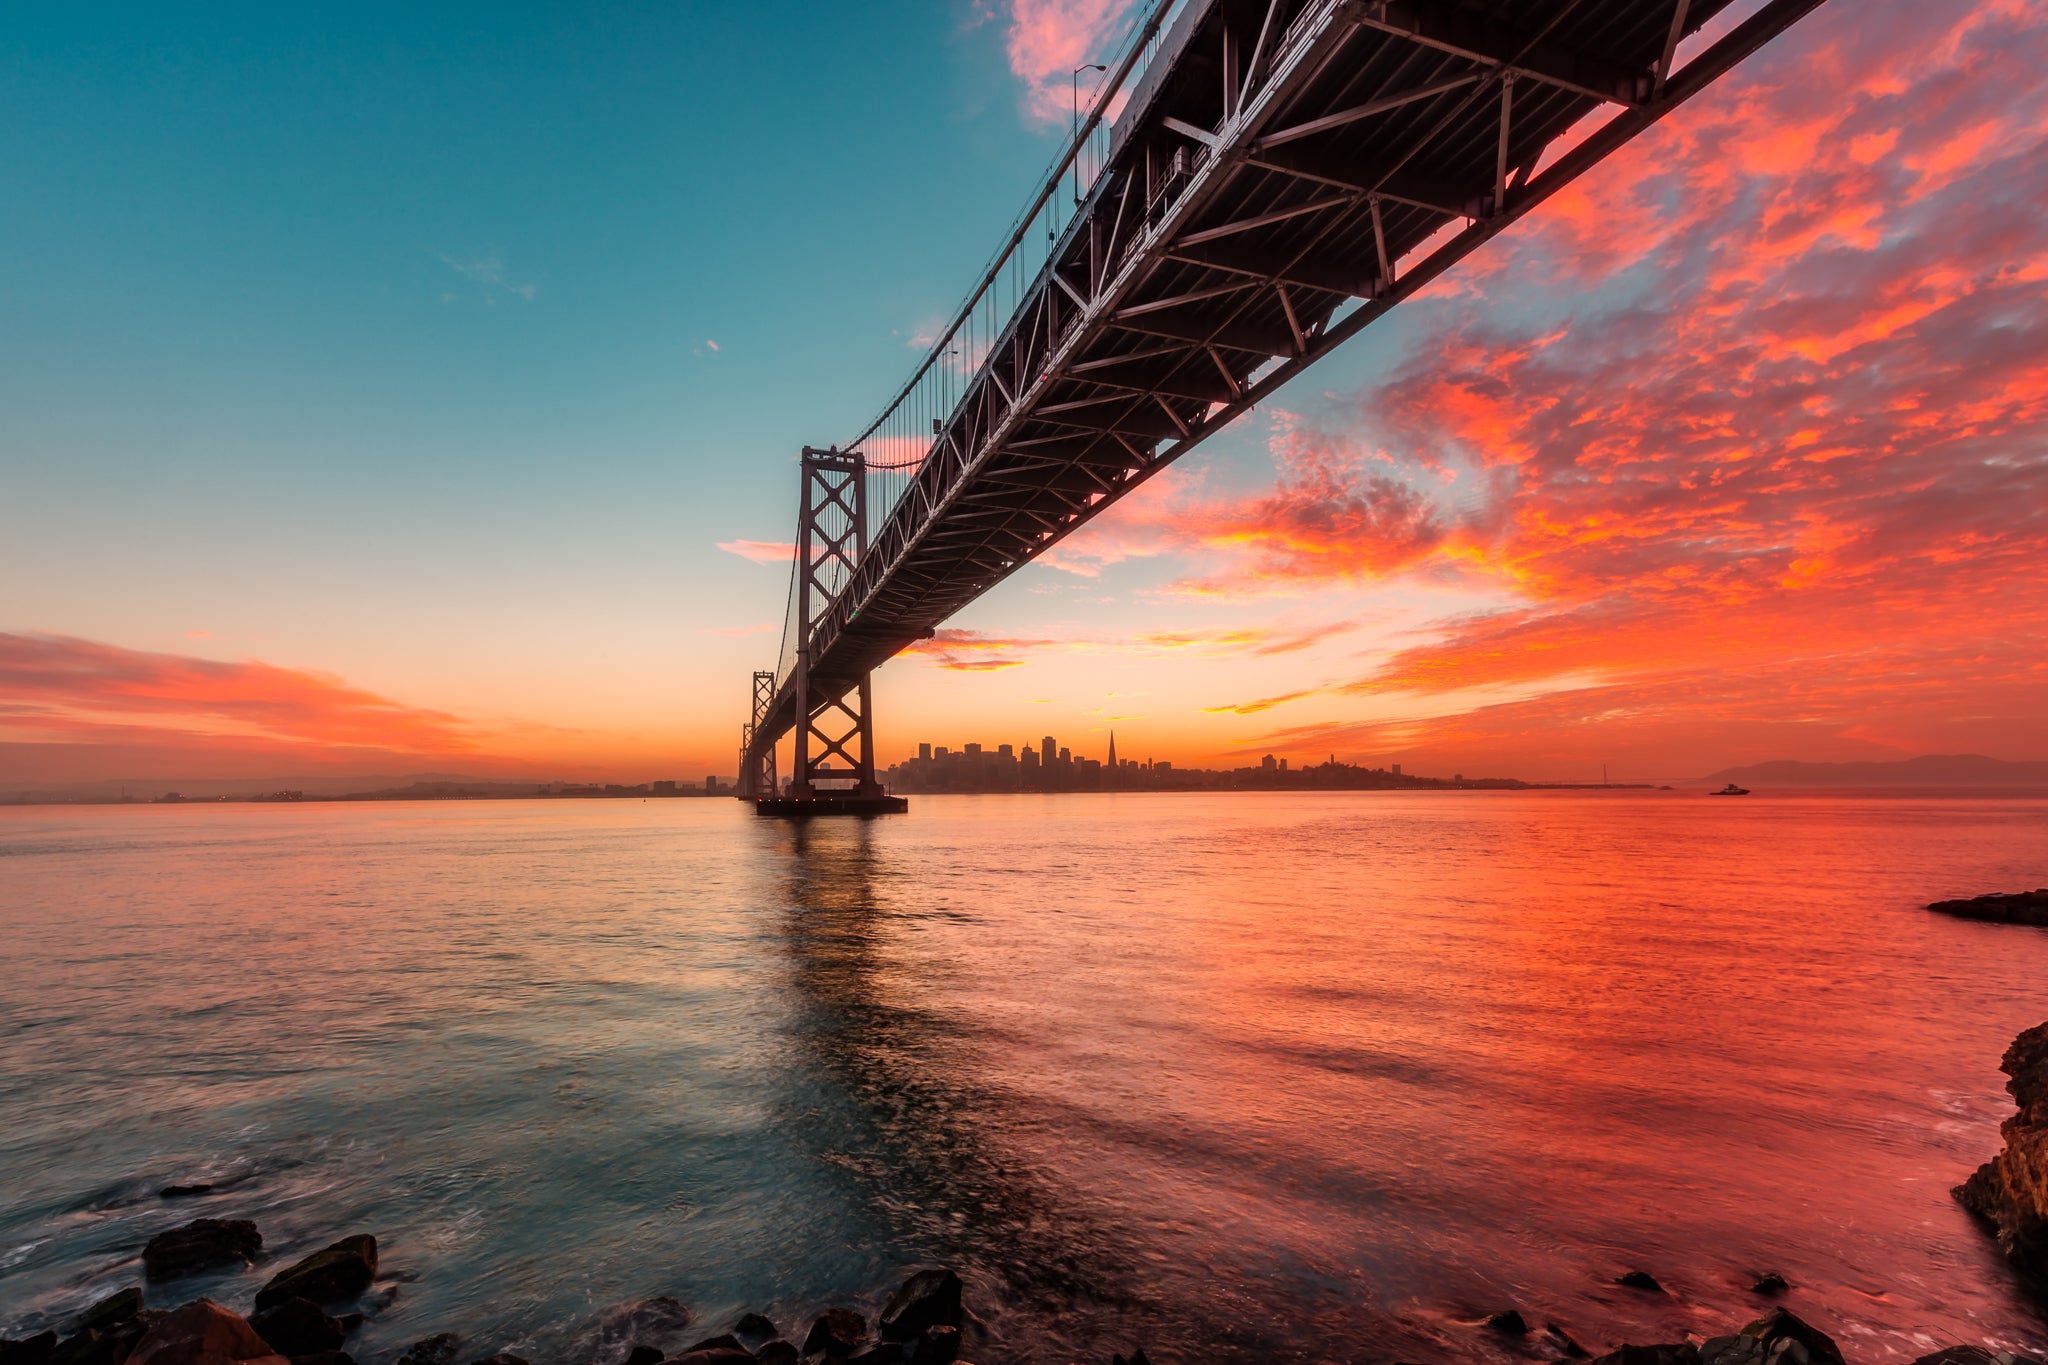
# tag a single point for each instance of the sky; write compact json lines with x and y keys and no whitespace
{"x":388,"y":391}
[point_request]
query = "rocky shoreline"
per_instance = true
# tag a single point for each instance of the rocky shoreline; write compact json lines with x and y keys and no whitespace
{"x":2010,"y":1191}
{"x":2000,"y":907}
{"x":306,"y":1313}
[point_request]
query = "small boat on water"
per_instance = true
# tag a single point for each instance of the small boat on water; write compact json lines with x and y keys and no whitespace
{"x":1731,"y":790}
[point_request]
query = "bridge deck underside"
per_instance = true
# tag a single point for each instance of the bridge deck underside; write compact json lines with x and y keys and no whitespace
{"x":1273,"y":169}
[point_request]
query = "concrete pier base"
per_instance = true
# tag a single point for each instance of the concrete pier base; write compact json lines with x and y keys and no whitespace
{"x":803,"y":807}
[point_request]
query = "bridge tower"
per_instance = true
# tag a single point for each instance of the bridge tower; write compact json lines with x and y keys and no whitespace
{"x":757,"y":770}
{"x":831,"y":714}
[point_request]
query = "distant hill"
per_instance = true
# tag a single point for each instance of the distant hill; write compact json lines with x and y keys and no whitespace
{"x":1929,"y":770}
{"x":203,"y":788}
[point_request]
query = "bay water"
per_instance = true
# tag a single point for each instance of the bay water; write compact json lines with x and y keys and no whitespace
{"x":1286,"y":1077}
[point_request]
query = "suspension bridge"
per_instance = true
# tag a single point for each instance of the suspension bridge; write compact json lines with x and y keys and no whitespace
{"x":1255,"y":182}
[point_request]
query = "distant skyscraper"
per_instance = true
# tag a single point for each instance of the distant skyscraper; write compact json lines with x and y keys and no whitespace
{"x":1046,"y":750}
{"x":1112,"y":748}
{"x":924,"y":751}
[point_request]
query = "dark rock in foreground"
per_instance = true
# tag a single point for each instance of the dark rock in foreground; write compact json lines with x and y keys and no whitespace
{"x":1508,"y":1322}
{"x":183,"y":1191}
{"x":1640,"y":1279}
{"x":2019,"y":907}
{"x":438,"y":1349}
{"x":335,"y":1275}
{"x":1675,"y":1353}
{"x":755,"y":1325}
{"x":837,"y":1334}
{"x":115,"y":1310}
{"x":1563,"y":1342}
{"x":35,"y":1350}
{"x":203,"y":1244}
{"x":2010,"y":1191}
{"x":203,"y":1333}
{"x":930,"y":1298}
{"x":297,"y":1328}
{"x":1771,"y":1283}
{"x":1779,"y":1337}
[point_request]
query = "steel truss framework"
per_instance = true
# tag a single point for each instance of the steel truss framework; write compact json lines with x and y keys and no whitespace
{"x":834,"y":710}
{"x":757,"y":764}
{"x":1284,"y":174}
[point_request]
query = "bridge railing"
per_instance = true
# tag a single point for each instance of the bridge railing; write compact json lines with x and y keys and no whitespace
{"x":899,"y":440}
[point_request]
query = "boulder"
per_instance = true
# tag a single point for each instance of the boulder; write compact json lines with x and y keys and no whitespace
{"x":1508,"y":1322}
{"x":1732,"y":1350}
{"x":644,"y":1355}
{"x":2010,"y":1191}
{"x":325,"y":1358}
{"x":438,"y":1349}
{"x":1959,"y":1355}
{"x":297,"y":1328}
{"x":777,"y":1352}
{"x":929,"y":1298}
{"x":89,"y":1347}
{"x":836,"y":1334}
{"x":1771,"y":1283}
{"x":722,"y":1356}
{"x":938,"y":1345}
{"x":1137,"y":1357}
{"x":115,"y":1310}
{"x":1563,"y":1342}
{"x":755,"y":1325}
{"x":1671,"y":1353}
{"x":1790,"y":1339}
{"x":2018,"y":907}
{"x":659,"y":1323}
{"x":724,"y":1341}
{"x":183,"y":1191}
{"x":502,"y":1358}
{"x":35,"y":1350}
{"x":203,"y":1333}
{"x":334,"y":1275}
{"x":1640,"y":1279}
{"x":201,"y":1244}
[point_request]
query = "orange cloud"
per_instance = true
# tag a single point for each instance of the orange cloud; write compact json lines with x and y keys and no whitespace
{"x":64,"y":696}
{"x":970,"y":651}
{"x":1252,"y":708}
{"x":1751,"y":423}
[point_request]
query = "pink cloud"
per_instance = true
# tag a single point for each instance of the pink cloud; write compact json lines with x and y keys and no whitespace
{"x":760,"y":551}
{"x":1047,"y":39}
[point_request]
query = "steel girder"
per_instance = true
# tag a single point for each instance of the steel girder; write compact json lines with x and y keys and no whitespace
{"x":1269,"y":180}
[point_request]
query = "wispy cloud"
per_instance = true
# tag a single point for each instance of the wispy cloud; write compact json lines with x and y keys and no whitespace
{"x":760,"y":551}
{"x":1251,"y":708}
{"x":488,"y":271}
{"x":970,"y":651}
{"x":1046,"y":39}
